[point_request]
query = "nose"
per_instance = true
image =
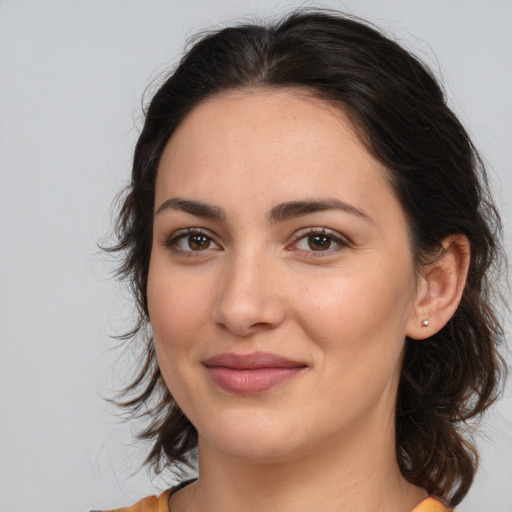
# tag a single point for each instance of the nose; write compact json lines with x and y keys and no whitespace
{"x":250,"y":299}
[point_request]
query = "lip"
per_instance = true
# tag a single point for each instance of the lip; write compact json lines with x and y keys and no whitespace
{"x":251,"y":373}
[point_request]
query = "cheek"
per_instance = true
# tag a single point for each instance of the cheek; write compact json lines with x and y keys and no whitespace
{"x":178,"y":311}
{"x":359,"y":332}
{"x":358,"y":312}
{"x":177,"y":317}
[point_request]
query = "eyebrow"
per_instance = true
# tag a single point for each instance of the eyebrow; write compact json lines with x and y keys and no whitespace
{"x":197,"y":208}
{"x":278,"y":213}
{"x":292,"y":209}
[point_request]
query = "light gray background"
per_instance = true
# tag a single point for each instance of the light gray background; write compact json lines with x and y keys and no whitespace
{"x":71,"y":78}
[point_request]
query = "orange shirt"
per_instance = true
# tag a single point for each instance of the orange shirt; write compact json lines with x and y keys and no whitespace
{"x":161,"y":504}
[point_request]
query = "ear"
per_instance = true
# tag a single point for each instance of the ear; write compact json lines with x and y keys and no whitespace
{"x":440,"y":288}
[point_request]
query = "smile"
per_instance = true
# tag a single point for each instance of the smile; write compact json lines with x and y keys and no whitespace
{"x":252,"y":373}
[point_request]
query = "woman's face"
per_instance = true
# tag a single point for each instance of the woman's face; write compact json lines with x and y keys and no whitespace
{"x":281,"y":282}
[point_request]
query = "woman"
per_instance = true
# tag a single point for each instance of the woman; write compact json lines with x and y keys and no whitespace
{"x":309,"y":234}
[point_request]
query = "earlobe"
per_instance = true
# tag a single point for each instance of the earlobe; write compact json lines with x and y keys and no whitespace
{"x":441,"y":287}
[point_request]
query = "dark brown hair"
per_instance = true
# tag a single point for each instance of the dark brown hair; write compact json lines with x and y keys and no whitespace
{"x":400,"y":113}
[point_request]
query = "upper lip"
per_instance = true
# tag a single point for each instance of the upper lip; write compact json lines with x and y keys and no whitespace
{"x":251,"y":361}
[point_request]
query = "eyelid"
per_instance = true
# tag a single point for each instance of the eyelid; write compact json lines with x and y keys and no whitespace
{"x":177,"y":235}
{"x":342,"y":241}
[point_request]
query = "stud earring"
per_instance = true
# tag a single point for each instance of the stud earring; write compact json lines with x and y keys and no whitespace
{"x":424,"y":323}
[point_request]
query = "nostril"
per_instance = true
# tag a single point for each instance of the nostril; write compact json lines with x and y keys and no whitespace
{"x":260,"y":325}
{"x":245,"y":322}
{"x":250,"y":329}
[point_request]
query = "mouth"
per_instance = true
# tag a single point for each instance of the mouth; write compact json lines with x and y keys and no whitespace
{"x":251,"y":373}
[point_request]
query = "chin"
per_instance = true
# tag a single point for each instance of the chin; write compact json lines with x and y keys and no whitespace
{"x":255,"y":450}
{"x":251,"y":437}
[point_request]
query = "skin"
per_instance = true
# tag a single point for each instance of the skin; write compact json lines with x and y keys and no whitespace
{"x":323,"y":440}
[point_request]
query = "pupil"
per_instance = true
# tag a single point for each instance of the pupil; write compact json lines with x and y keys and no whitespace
{"x":199,"y":242}
{"x":319,"y":242}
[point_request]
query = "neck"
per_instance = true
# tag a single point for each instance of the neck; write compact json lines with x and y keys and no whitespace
{"x":339,"y":476}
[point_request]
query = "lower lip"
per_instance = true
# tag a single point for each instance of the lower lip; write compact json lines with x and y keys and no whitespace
{"x":251,"y":381}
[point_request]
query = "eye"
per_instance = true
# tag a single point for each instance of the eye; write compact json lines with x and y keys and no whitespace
{"x":191,"y":240}
{"x":319,"y":240}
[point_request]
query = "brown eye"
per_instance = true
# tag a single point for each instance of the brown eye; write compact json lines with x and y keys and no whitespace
{"x":198,"y":242}
{"x":191,"y":241}
{"x":319,"y":242}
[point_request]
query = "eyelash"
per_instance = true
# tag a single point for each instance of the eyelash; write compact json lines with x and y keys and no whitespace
{"x":182,"y":234}
{"x":333,"y":237}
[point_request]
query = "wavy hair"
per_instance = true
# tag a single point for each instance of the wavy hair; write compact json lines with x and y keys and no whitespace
{"x":401,"y":115}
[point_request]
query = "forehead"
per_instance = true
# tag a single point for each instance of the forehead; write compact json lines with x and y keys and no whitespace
{"x":271,"y":144}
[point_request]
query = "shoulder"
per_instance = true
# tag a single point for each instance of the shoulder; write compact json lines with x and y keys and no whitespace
{"x":150,"y":504}
{"x":161,"y":504}
{"x":432,"y":505}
